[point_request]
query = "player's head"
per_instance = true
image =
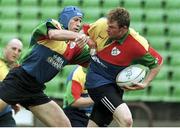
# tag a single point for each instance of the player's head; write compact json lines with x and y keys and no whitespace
{"x":13,"y":50}
{"x":119,"y":15}
{"x":118,"y":22}
{"x":68,"y":13}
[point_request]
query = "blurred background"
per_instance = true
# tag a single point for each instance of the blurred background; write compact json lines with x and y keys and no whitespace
{"x":157,"y":20}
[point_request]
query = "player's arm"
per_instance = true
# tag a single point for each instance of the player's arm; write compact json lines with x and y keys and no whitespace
{"x":83,"y":102}
{"x":55,"y":34}
{"x":83,"y":57}
{"x":152,"y":74}
{"x":62,"y":35}
{"x":154,"y":70}
{"x":76,"y":91}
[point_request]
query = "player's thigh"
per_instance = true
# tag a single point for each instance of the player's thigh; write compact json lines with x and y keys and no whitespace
{"x":51,"y":114}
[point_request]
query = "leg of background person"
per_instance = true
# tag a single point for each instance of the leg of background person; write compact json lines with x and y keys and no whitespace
{"x":123,"y":116}
{"x":92,"y":124}
{"x":2,"y":105}
{"x":51,"y":114}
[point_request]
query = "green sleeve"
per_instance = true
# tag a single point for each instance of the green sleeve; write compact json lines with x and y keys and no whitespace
{"x":147,"y":60}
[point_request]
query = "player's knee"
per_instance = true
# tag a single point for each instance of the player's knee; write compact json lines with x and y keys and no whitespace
{"x":128,"y":121}
{"x":123,"y":116}
{"x":125,"y":121}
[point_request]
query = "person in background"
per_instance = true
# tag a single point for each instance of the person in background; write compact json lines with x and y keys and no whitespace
{"x":118,"y":47}
{"x":8,"y":60}
{"x":77,"y":104}
{"x":48,"y":53}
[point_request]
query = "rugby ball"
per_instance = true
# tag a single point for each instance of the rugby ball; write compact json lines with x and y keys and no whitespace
{"x":132,"y":74}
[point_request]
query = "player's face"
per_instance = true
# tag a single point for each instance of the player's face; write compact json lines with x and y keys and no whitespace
{"x":114,"y":31}
{"x":75,"y":24}
{"x":13,"y":51}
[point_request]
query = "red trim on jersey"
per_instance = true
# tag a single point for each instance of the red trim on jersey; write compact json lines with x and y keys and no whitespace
{"x":43,"y":37}
{"x":71,"y":52}
{"x":85,"y":28}
{"x":155,"y":54}
{"x":129,"y":50}
{"x":76,"y":89}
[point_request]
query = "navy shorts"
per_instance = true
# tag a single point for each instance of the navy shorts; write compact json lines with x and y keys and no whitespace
{"x":77,"y":117}
{"x":20,"y":87}
{"x":7,"y":120}
{"x":106,"y":98}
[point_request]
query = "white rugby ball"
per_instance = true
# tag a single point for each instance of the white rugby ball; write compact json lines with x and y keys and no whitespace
{"x":132,"y":74}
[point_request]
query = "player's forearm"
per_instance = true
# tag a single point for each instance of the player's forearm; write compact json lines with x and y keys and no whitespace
{"x":83,"y":102}
{"x":153,"y":73}
{"x":62,"y":35}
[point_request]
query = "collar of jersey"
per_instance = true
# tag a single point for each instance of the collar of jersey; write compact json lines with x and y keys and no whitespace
{"x":120,"y":41}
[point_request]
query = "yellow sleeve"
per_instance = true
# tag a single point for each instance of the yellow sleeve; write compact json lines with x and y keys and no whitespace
{"x":98,"y":32}
{"x":139,"y":38}
{"x":3,"y":70}
{"x":79,"y":76}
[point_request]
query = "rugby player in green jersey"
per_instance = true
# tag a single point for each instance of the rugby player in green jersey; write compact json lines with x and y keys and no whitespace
{"x":53,"y":45}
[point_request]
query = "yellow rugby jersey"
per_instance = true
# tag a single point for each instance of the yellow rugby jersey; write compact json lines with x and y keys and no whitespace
{"x":4,"y":69}
{"x":76,"y":88}
{"x":75,"y":85}
{"x":98,"y":33}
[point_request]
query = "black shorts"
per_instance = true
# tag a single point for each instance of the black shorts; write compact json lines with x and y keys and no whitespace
{"x":77,"y":117}
{"x":7,"y":120}
{"x":107,"y":98}
{"x":20,"y":87}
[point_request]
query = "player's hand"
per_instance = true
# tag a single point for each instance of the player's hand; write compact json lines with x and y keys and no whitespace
{"x":81,"y":40}
{"x":16,"y":108}
{"x":135,"y":86}
{"x":91,"y":44}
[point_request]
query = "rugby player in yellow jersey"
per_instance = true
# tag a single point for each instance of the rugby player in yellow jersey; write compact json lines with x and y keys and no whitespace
{"x":77,"y":104}
{"x":8,"y":60}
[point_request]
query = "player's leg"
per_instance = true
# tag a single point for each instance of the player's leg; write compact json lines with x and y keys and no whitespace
{"x":100,"y":116}
{"x":92,"y":124}
{"x":110,"y":96}
{"x":2,"y":105}
{"x":123,"y":116}
{"x":50,"y":114}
